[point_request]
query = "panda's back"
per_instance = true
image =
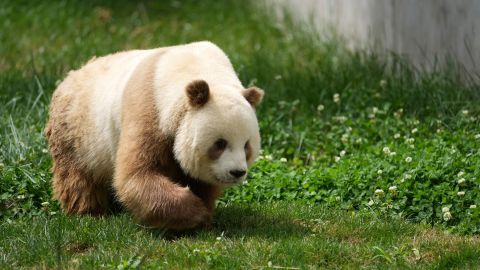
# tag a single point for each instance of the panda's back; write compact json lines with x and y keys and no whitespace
{"x":86,"y":108}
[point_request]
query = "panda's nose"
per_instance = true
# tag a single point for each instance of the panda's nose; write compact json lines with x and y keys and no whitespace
{"x":238,"y":173}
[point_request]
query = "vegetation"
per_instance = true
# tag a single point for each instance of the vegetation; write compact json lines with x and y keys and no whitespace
{"x":278,"y":235}
{"x":365,"y":162}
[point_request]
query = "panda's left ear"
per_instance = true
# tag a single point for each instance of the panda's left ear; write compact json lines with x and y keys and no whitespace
{"x":198,"y":93}
{"x":253,"y":95}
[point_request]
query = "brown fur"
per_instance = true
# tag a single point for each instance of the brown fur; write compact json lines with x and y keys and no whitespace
{"x":198,"y":92}
{"x":248,"y":151}
{"x":148,"y":181}
{"x":253,"y":95}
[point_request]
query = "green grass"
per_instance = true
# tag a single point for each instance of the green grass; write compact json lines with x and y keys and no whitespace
{"x":327,"y":190}
{"x":244,"y":236}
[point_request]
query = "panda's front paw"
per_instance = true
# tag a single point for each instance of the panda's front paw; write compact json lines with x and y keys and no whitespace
{"x":191,"y":212}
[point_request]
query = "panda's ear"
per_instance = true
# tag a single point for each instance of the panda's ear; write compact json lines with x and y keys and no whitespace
{"x":253,"y":95}
{"x":198,"y":93}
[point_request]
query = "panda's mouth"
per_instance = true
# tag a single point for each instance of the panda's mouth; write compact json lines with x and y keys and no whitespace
{"x":229,"y":182}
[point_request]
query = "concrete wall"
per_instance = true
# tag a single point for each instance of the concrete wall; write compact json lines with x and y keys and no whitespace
{"x":422,"y":30}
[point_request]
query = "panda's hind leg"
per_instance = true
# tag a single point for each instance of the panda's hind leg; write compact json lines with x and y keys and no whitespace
{"x":78,"y":190}
{"x":79,"y":193}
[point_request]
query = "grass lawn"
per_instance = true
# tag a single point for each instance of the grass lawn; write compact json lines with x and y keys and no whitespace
{"x":365,"y":163}
{"x":255,"y":236}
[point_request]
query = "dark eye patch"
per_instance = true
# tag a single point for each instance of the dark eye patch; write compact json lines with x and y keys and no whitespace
{"x":216,"y":150}
{"x":248,"y":150}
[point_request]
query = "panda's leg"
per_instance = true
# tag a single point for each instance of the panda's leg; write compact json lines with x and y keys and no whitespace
{"x":158,"y":202}
{"x":78,"y":192}
{"x":208,"y":193}
{"x":146,"y":177}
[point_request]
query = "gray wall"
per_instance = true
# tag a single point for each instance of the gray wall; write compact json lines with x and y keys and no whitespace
{"x":422,"y":30}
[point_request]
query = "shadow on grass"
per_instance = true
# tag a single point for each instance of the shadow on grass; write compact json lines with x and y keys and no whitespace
{"x":244,"y":221}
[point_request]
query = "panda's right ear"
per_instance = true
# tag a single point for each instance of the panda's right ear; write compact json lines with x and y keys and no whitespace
{"x":198,"y":93}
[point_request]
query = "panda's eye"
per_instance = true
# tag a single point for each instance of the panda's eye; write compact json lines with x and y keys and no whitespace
{"x":220,"y":144}
{"x":247,"y":145}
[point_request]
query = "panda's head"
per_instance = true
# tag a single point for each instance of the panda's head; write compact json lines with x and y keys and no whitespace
{"x":218,"y":138}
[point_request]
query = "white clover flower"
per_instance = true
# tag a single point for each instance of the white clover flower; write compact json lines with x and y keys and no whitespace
{"x":416,"y":252}
{"x":412,"y":146}
{"x":337,"y":158}
{"x":44,"y":150}
{"x":375,"y":110}
{"x":342,"y":153}
{"x":268,"y":157}
{"x":380,"y":172}
{"x":461,"y":193}
{"x":396,"y":136}
{"x":461,"y":181}
{"x":473,"y":206}
{"x":439,"y":130}
{"x":408,"y":159}
{"x":45,"y":204}
{"x":447,"y":216}
{"x":270,"y":264}
{"x":415,"y":130}
{"x":383,"y":83}
{"x":340,"y":119}
{"x":393,"y":154}
{"x":320,"y":108}
{"x":408,"y":176}
{"x":465,"y":112}
{"x":477,"y":136}
{"x":359,"y":140}
{"x":344,"y":138}
{"x":349,"y":129}
{"x":219,"y":238}
{"x":386,"y":150}
{"x":336,"y":98}
{"x":370,"y":203}
{"x":461,"y":173}
{"x":392,"y":189}
{"x":416,"y":122}
{"x":445,"y":209}
{"x":379,"y":192}
{"x":278,"y":77}
{"x":410,"y":140}
{"x":371,"y":115}
{"x":283,"y":159}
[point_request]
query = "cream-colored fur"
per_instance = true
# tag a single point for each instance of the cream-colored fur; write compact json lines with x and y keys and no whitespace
{"x":124,"y":122}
